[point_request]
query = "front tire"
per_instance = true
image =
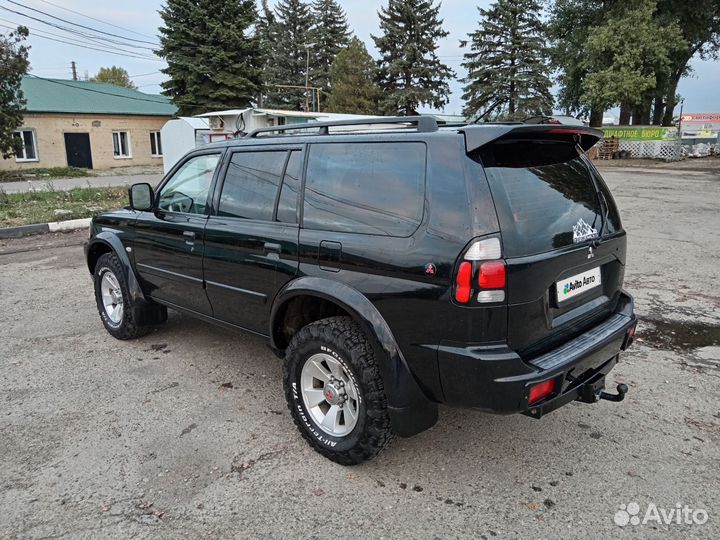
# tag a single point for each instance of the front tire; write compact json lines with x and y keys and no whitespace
{"x":335,"y":392}
{"x":114,"y":303}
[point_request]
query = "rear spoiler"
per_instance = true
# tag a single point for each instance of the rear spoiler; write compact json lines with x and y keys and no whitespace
{"x":480,"y":135}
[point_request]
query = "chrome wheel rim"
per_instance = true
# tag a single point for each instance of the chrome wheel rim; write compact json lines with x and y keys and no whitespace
{"x":330,"y":395}
{"x":112,"y":297}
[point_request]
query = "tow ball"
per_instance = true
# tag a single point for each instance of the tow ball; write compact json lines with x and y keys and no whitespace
{"x":592,"y":393}
{"x":621,"y":391}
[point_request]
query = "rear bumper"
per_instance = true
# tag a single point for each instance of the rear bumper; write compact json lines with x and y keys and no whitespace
{"x":496,"y":379}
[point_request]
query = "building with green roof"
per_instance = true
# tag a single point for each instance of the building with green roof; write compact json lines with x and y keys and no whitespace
{"x":90,"y":125}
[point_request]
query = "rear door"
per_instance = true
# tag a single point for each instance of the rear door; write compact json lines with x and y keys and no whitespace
{"x":251,"y":239}
{"x":553,"y":207}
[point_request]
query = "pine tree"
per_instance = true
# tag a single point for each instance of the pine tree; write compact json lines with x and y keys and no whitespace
{"x":508,"y":64}
{"x":329,"y":35}
{"x":290,"y":54}
{"x":13,"y":65}
{"x":213,"y":59}
{"x":353,"y":81}
{"x":114,"y":75}
{"x":266,"y":31}
{"x":410,"y":72}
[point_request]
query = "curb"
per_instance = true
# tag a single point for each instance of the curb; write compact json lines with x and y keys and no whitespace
{"x":44,"y":228}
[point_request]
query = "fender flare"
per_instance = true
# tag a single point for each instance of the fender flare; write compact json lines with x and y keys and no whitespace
{"x":410,"y":410}
{"x":112,"y":241}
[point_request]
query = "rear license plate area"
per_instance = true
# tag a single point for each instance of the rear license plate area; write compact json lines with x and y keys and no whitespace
{"x":579,"y":284}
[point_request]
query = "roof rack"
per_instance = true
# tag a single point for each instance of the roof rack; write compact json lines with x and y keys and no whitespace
{"x":424,"y":124}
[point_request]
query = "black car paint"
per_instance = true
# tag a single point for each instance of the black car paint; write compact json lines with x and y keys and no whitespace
{"x":433,"y":349}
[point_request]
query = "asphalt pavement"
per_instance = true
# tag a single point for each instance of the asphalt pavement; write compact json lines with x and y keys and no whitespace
{"x":185,"y":433}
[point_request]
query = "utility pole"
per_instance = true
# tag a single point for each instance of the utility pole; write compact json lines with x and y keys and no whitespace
{"x":679,"y":130}
{"x":307,"y":76}
{"x":74,"y":70}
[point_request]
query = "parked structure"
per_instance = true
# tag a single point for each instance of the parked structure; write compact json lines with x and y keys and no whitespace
{"x":187,"y":133}
{"x":180,"y":135}
{"x":184,"y":134}
{"x":700,"y":134}
{"x":89,"y":125}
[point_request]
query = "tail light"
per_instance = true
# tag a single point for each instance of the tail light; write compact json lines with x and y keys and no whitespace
{"x":540,"y":391}
{"x":481,"y":265}
{"x":492,"y":275}
{"x":629,"y":337}
{"x":463,"y":283}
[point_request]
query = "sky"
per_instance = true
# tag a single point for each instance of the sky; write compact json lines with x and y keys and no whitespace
{"x":52,"y":59}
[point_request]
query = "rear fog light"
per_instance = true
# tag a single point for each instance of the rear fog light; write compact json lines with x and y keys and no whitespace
{"x":541,"y":390}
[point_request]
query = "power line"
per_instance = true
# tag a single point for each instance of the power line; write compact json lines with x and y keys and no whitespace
{"x":144,"y":74}
{"x":92,"y":44}
{"x":75,"y":32}
{"x":86,"y":46}
{"x":63,"y":39}
{"x":97,"y":20}
{"x":83,"y":26}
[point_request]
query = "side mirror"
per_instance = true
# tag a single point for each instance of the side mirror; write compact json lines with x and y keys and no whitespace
{"x":141,"y":197}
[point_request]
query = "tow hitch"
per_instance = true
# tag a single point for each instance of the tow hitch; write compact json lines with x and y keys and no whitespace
{"x":594,"y":392}
{"x":591,"y":390}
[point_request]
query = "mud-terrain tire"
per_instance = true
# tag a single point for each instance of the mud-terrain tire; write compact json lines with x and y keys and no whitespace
{"x":332,"y":360}
{"x":114,"y":302}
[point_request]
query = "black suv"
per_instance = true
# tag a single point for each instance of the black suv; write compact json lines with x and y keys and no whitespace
{"x":393,"y":264}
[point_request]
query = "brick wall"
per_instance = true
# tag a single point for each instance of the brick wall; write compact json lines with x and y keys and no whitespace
{"x":50,"y":129}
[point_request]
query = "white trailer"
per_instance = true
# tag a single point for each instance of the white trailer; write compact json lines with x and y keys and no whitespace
{"x":180,"y":135}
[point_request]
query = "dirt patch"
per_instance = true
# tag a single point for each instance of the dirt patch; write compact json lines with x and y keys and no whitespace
{"x":130,"y":171}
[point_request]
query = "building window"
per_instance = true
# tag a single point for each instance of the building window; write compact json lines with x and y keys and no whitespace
{"x":121,"y":144}
{"x":29,"y":145}
{"x":155,"y":144}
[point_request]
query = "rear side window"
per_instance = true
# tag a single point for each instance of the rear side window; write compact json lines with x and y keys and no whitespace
{"x":367,"y":188}
{"x":542,"y":189}
{"x":287,"y":205}
{"x":251,"y":185}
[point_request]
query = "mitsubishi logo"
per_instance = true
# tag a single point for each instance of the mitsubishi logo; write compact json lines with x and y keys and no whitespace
{"x":591,"y":253}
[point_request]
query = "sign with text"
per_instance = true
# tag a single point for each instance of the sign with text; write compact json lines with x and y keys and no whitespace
{"x":632,"y":133}
{"x":703,"y":118}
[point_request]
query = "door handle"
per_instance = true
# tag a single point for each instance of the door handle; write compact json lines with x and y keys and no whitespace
{"x":270,"y":247}
{"x":189,"y":237}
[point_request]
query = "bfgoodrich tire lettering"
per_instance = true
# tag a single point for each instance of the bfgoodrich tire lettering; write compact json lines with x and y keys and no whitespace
{"x":343,"y":340}
{"x":110,"y":270}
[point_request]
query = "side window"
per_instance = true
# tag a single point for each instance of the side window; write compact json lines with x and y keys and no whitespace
{"x":187,"y":191}
{"x":121,"y":144}
{"x":251,"y":185}
{"x":368,"y":188}
{"x":155,"y":144}
{"x":287,"y":205}
{"x":28,"y":151}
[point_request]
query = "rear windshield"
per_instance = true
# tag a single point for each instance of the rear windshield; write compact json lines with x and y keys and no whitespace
{"x":545,"y":194}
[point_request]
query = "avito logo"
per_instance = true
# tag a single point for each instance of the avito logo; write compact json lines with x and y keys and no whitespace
{"x":578,"y":284}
